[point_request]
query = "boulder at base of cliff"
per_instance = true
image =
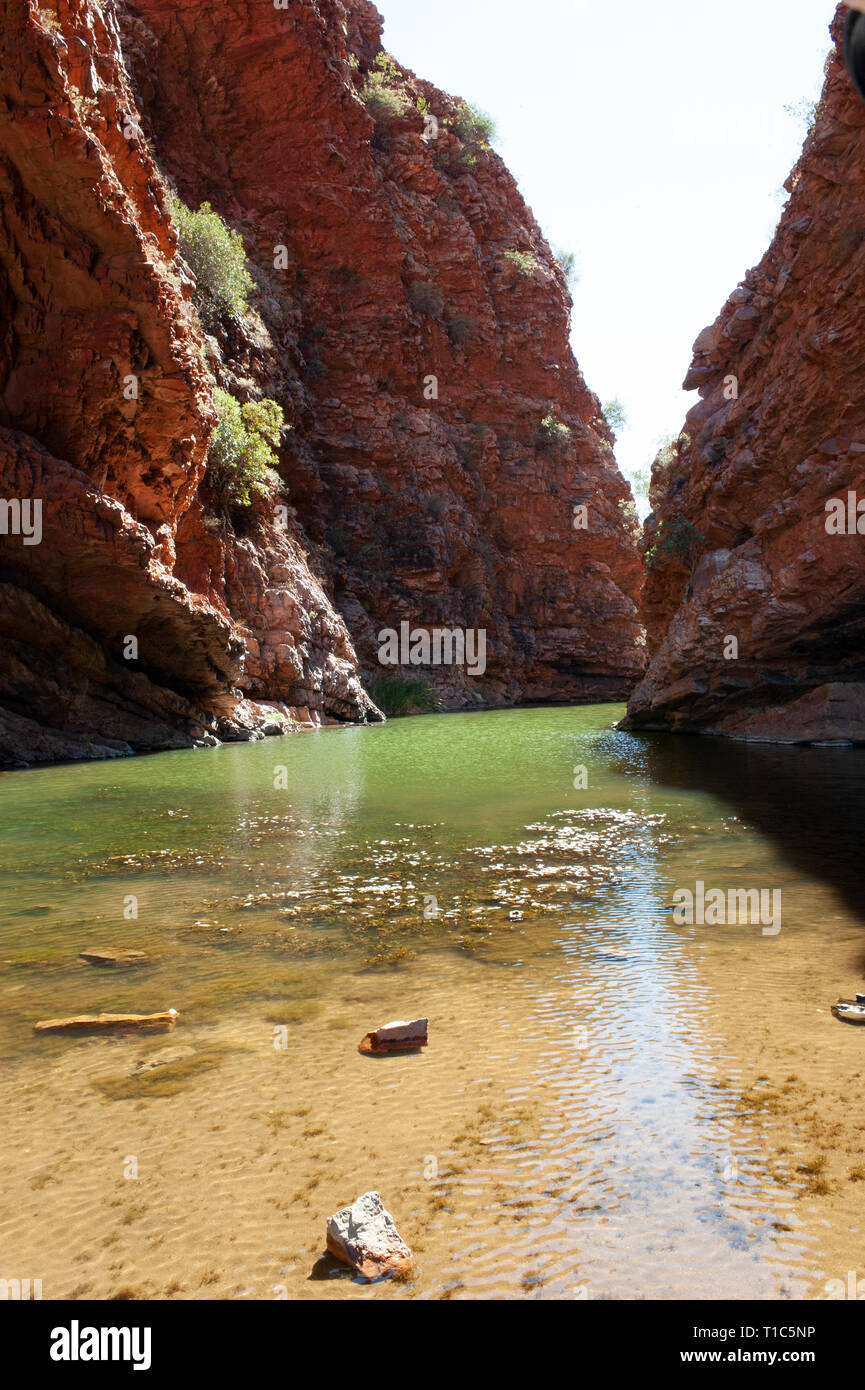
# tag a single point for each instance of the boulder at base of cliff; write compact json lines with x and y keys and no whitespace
{"x":832,"y":713}
{"x":365,"y":1237}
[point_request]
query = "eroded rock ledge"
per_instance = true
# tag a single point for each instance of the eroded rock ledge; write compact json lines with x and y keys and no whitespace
{"x":741,"y":547}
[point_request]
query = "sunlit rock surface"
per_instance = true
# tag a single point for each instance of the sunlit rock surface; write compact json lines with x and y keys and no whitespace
{"x":414,"y":361}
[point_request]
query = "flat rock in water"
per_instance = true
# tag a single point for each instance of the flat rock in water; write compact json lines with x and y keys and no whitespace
{"x":398,"y":1036}
{"x":115,"y":958}
{"x":365,"y":1237}
{"x":110,"y":1023}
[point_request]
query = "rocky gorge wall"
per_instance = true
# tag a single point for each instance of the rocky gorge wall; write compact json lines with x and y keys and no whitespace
{"x":754,"y":599}
{"x":408,"y":317}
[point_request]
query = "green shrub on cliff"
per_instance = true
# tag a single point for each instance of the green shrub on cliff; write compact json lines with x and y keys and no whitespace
{"x":615,"y":415}
{"x":678,"y":539}
{"x":474,"y":129}
{"x":381,"y":93}
{"x":551,"y":432}
{"x":522,"y":261}
{"x":242,"y":450}
{"x":215,"y":255}
{"x":568,"y":261}
{"x":806,"y":112}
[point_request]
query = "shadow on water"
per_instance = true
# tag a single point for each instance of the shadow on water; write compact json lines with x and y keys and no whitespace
{"x":810,"y":802}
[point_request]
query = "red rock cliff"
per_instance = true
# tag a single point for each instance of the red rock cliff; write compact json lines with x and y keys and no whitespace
{"x":738,"y":546}
{"x":415,"y":361}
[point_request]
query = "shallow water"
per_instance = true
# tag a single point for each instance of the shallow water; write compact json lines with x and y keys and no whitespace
{"x":611,"y":1105}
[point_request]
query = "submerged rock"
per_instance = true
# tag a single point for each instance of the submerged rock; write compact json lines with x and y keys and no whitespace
{"x":114,"y":958}
{"x":364,"y":1236}
{"x":397,"y":1037}
{"x":110,"y":1023}
{"x":166,"y":1057}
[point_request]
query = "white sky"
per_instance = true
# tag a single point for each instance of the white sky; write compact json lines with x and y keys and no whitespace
{"x":649,"y":138}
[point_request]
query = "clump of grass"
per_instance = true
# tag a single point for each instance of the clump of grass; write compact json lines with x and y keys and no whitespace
{"x":47,"y":19}
{"x":402,"y":695}
{"x":812,"y":1170}
{"x":523,"y":262}
{"x":551,"y":432}
{"x":217,"y":259}
{"x":86,"y":107}
{"x":389,"y":956}
{"x":426,"y":298}
{"x":475,"y":130}
{"x":241,"y":458}
{"x":813,"y":1166}
{"x":381,"y":93}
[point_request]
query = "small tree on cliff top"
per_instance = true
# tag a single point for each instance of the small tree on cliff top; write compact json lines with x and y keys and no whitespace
{"x":616,"y":416}
{"x":215,"y":255}
{"x":474,"y":129}
{"x":242,"y":450}
{"x":568,"y":261}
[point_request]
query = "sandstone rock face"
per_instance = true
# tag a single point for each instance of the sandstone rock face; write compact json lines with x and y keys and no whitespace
{"x":415,"y":360}
{"x":365,"y":1237}
{"x":739,"y":526}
